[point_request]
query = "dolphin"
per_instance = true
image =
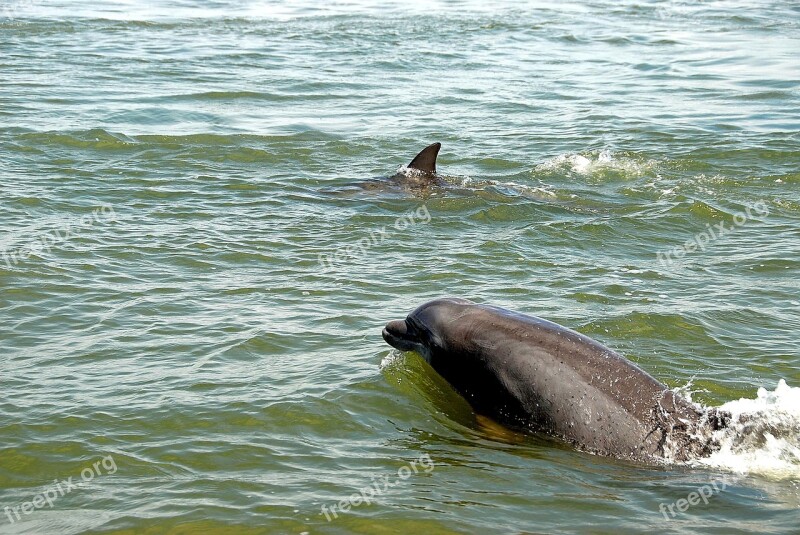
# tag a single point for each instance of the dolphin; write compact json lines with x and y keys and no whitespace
{"x":419,"y":176}
{"x":530,"y":373}
{"x":421,"y":172}
{"x":425,"y":161}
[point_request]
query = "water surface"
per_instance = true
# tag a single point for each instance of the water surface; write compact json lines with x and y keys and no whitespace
{"x":173,"y":172}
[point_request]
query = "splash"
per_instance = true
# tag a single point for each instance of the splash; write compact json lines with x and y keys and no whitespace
{"x":763,"y":436}
{"x":393,"y":360}
{"x":597,"y":162}
{"x":410,"y":172}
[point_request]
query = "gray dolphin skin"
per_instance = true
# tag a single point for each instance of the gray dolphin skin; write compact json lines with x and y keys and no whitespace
{"x":425,"y":161}
{"x":529,"y":372}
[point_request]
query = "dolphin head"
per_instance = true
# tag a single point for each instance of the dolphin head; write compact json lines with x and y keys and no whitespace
{"x":420,"y":331}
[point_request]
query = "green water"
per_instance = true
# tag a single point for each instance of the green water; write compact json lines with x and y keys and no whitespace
{"x":185,"y":334}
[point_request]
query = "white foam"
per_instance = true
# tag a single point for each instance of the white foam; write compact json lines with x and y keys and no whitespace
{"x":394,"y":359}
{"x":411,"y":172}
{"x":592,"y":162}
{"x":763,"y":436}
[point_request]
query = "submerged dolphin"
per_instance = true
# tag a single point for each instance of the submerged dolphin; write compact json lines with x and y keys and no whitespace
{"x":421,"y":172}
{"x":530,"y":372}
{"x":425,"y":161}
{"x":418,"y":176}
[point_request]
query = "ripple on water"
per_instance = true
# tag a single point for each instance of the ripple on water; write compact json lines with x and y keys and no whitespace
{"x":239,"y":385}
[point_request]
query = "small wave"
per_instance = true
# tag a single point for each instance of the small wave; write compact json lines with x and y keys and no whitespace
{"x":514,"y":189}
{"x":501,"y":187}
{"x":763,"y":436}
{"x":597,"y":162}
{"x":218,"y":95}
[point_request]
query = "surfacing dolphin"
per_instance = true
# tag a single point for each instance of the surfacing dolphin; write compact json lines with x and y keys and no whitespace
{"x":421,"y":172}
{"x":532,"y":373}
{"x":418,"y":177}
{"x":425,"y":161}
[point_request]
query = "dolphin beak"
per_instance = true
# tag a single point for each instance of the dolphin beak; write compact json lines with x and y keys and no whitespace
{"x":396,"y":335}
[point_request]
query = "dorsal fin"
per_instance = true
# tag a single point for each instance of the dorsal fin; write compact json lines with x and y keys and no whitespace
{"x":425,"y":161}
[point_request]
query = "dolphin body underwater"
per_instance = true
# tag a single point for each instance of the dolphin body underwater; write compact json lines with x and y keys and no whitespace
{"x":534,"y":374}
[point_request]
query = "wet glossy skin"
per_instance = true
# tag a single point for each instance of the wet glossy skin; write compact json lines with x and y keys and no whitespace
{"x":530,"y":372}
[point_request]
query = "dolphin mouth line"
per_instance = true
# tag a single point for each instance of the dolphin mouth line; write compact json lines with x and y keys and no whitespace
{"x":392,"y":339}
